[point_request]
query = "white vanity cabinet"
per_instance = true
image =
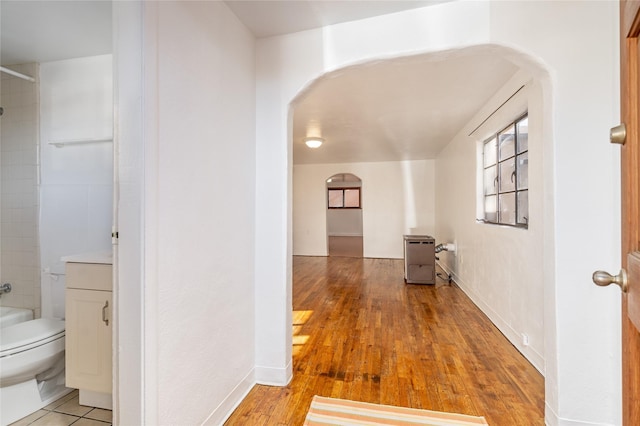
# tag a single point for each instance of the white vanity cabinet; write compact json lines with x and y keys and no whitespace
{"x":89,"y":306}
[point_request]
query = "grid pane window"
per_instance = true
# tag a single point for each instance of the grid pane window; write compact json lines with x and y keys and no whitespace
{"x":352,"y":198}
{"x":506,"y":181}
{"x":490,"y":208}
{"x":344,"y":198}
{"x":335,"y":198}
{"x":490,"y":152}
{"x":523,"y":170}
{"x":507,"y":142}
{"x":507,"y":175}
{"x":523,"y":207}
{"x":490,"y":180}
{"x":523,"y":135}
{"x":507,"y":208}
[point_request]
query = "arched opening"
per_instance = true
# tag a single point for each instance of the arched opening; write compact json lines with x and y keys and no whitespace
{"x":344,"y":215}
{"x":429,"y":169}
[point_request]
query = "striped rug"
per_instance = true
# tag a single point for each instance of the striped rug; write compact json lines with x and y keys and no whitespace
{"x":332,"y":411}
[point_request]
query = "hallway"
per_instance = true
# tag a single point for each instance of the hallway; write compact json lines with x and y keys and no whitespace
{"x":361,"y":333}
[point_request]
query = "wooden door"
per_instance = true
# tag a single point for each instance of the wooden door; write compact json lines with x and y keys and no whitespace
{"x":630,"y":105}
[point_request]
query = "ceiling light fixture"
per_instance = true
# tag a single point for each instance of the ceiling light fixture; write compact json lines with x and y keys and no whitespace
{"x":313,"y":142}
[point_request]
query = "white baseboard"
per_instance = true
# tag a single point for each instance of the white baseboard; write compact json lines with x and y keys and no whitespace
{"x":536,"y":359}
{"x":259,"y":375}
{"x":552,"y":419}
{"x":274,"y":376}
{"x":223,"y":411}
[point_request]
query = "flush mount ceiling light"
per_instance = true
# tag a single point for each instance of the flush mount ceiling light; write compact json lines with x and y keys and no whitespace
{"x":313,"y":142}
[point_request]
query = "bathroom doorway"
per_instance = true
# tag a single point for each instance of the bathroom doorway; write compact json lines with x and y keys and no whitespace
{"x":344,"y":215}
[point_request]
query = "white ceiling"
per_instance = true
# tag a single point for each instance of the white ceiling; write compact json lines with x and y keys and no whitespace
{"x":402,"y":109}
{"x":49,"y":30}
{"x":267,"y":18}
{"x":43,"y":31}
{"x":399,"y":109}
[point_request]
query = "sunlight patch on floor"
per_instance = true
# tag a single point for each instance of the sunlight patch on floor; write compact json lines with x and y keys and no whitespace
{"x":299,"y":319}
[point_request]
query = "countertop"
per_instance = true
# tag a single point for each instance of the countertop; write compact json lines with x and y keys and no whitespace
{"x":104,"y":257}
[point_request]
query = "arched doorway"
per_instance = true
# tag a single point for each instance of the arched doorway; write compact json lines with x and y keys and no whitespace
{"x":524,"y":89}
{"x":344,"y":215}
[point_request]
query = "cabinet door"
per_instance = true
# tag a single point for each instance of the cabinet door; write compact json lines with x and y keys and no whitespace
{"x":88,"y":339}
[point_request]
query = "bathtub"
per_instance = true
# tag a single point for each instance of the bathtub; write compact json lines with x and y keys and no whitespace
{"x":10,"y":316}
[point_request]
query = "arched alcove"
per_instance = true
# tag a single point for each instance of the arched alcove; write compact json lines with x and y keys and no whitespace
{"x":344,"y":215}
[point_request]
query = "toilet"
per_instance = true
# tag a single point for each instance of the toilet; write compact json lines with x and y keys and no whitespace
{"x":31,"y":367}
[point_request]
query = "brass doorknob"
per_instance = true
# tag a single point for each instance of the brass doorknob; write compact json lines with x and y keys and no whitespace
{"x":618,"y":134}
{"x":603,"y":279}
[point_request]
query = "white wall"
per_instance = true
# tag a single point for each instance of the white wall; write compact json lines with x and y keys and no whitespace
{"x":578,"y":48}
{"x":133,"y":378}
{"x":344,"y":223}
{"x":585,"y":103}
{"x":397,"y":199}
{"x":499,"y":267}
{"x":76,"y":193}
{"x":196,"y":176}
{"x":19,"y":257}
{"x":279,"y":75}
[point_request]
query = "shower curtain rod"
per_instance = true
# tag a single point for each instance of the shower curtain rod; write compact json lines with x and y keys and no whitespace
{"x":17,"y":74}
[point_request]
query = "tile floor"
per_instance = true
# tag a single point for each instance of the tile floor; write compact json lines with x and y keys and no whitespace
{"x":67,"y":411}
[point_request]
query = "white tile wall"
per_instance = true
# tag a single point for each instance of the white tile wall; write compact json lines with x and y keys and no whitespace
{"x":76,"y":181}
{"x":19,"y":250}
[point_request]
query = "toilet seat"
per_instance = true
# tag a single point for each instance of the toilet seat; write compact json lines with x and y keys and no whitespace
{"x":30,"y":334}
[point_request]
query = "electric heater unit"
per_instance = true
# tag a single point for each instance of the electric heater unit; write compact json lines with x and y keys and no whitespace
{"x":419,"y":259}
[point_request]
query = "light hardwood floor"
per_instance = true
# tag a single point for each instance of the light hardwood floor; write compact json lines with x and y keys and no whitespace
{"x":361,"y":333}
